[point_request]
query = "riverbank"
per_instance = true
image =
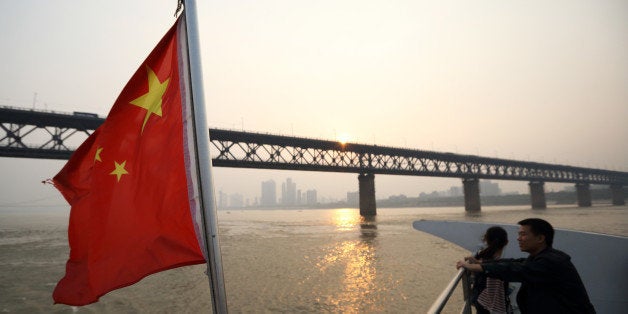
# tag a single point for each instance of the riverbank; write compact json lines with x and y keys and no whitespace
{"x":599,"y":197}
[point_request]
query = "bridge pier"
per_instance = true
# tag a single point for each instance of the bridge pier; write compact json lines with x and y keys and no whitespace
{"x":617,"y":194}
{"x":537,"y":194}
{"x":584,"y":194}
{"x":367,"y":194}
{"x":471,"y":187}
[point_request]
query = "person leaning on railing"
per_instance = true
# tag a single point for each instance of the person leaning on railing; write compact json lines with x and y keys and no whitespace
{"x":550,"y":283}
{"x":489,"y":295}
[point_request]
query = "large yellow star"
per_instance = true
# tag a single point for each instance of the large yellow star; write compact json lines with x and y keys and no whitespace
{"x":152,"y":100}
{"x":119,"y":171}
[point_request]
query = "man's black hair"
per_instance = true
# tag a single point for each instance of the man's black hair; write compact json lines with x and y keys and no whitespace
{"x":539,"y":226}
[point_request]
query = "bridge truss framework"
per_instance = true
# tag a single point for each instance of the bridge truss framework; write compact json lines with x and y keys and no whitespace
{"x":37,"y":134}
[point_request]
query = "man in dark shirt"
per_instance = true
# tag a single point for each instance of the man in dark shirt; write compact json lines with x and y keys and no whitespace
{"x":549,"y":281}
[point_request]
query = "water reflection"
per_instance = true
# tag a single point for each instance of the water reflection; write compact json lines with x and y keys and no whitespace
{"x":473,"y":213}
{"x":345,"y":219}
{"x":355,"y":262}
{"x":368,"y":228}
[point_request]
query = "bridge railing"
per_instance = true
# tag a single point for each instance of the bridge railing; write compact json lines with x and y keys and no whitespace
{"x":241,"y":149}
{"x":255,"y":150}
{"x":439,"y":304}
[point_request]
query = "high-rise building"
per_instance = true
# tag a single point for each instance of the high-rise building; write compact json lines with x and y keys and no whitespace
{"x":288,"y":192}
{"x":269,"y":194}
{"x":310,"y":196}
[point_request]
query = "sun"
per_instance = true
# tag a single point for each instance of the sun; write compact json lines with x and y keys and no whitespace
{"x":343,"y":138}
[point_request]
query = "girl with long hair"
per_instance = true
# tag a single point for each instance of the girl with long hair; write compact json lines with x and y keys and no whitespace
{"x":489,"y":294}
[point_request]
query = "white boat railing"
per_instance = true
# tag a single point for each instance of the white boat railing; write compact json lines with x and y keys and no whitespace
{"x":442,"y":299}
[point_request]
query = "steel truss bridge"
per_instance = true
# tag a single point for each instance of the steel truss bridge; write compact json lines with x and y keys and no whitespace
{"x":45,"y":134}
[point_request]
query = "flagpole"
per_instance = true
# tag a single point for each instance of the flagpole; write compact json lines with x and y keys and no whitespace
{"x":206,"y":186}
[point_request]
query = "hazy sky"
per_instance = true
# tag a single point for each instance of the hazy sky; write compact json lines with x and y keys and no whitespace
{"x":544,"y":81}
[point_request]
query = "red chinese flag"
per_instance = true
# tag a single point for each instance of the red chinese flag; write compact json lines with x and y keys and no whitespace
{"x":132,"y":183}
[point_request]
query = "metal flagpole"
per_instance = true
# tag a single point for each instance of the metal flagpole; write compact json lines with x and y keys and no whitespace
{"x":208,"y":204}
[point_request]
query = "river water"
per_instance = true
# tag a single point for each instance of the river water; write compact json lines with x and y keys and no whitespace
{"x":286,"y":261}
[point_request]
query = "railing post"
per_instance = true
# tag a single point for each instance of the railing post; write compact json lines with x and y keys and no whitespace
{"x":441,"y":301}
{"x":466,"y":292}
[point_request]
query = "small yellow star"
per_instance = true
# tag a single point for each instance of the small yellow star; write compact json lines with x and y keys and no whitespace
{"x":97,"y":157}
{"x":119,"y":171}
{"x":152,"y":100}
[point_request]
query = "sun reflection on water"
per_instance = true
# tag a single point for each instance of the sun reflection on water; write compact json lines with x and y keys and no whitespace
{"x":345,"y":219}
{"x":355,"y":263}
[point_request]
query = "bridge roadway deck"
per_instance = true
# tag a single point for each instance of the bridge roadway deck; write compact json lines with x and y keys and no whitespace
{"x":239,"y":149}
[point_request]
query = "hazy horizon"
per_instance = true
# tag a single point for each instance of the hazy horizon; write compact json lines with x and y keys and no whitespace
{"x":536,"y":81}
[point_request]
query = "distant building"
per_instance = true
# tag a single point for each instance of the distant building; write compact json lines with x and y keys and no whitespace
{"x":398,"y":198}
{"x":455,"y":191}
{"x":300,"y":197}
{"x":434,"y":194}
{"x":310,"y":197}
{"x":288,"y":192}
{"x":236,"y":200}
{"x":269,"y":194}
{"x":353,"y":198}
{"x":222,"y":200}
{"x":488,"y":188}
{"x":569,"y":188}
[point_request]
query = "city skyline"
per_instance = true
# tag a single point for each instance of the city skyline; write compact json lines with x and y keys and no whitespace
{"x":488,"y":188}
{"x":267,"y":196}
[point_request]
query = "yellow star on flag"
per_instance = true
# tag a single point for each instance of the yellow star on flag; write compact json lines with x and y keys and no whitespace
{"x":97,"y":157}
{"x":152,"y":100}
{"x":119,"y":171}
